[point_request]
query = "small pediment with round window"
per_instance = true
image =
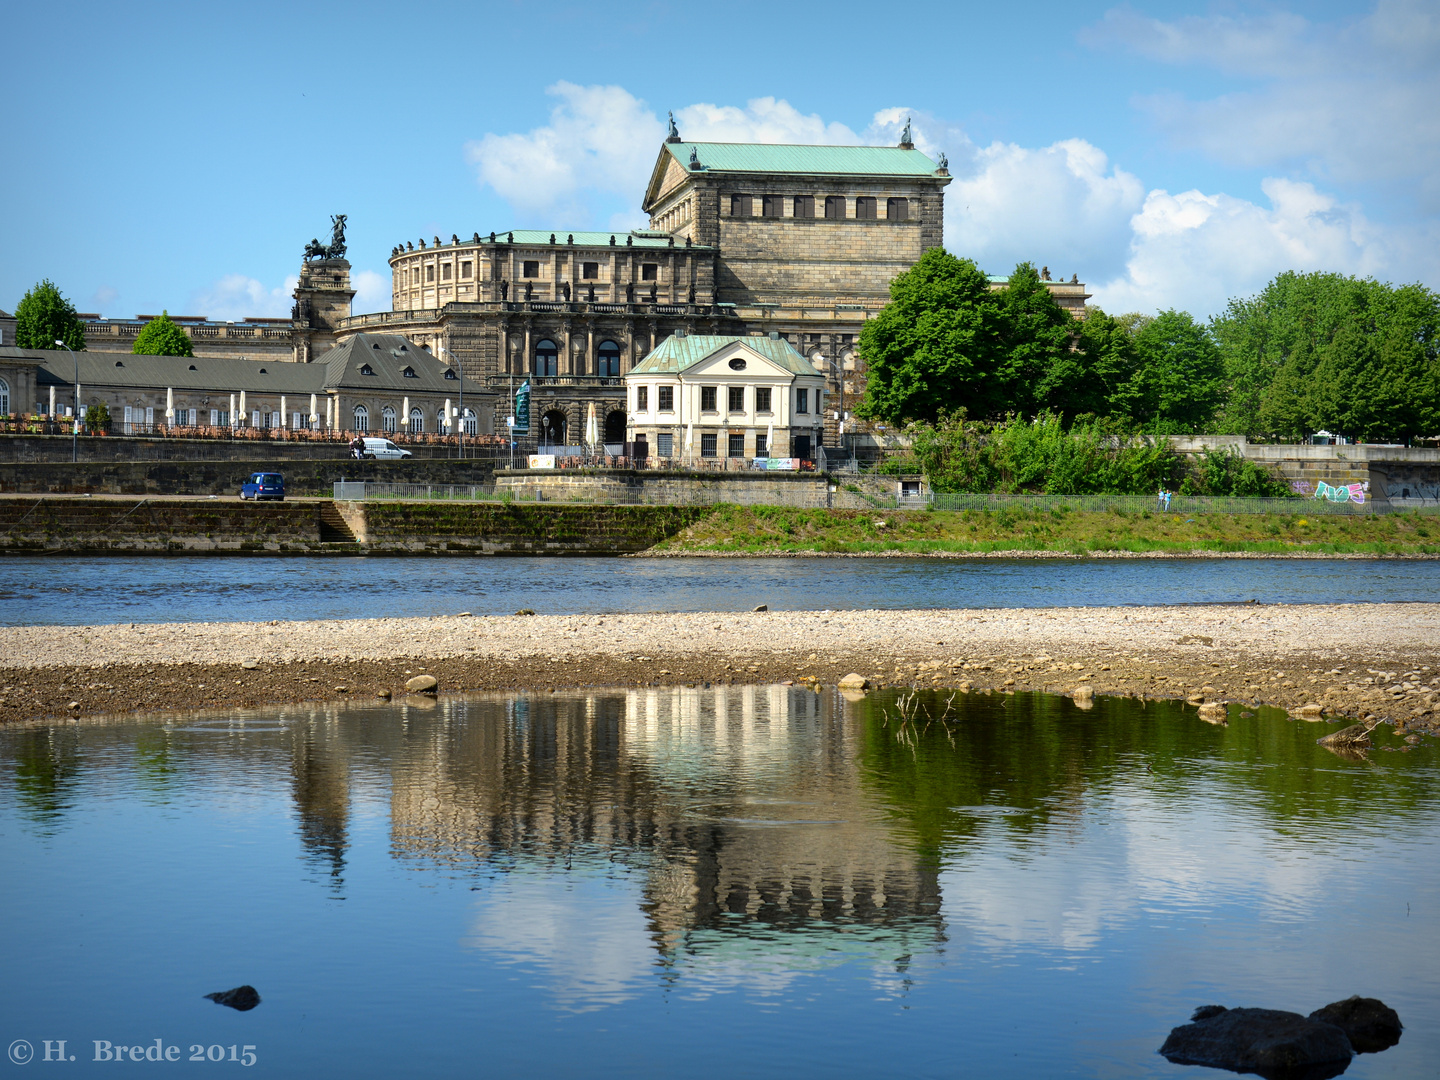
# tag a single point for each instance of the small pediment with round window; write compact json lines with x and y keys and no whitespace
{"x":737,"y":364}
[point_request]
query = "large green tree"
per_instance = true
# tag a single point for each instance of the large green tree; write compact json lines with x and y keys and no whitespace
{"x":163,"y":337}
{"x":44,"y":317}
{"x":936,"y":346}
{"x":1323,"y":350}
{"x":1179,"y":378}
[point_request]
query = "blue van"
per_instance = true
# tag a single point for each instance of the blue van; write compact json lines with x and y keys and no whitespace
{"x":264,"y":485}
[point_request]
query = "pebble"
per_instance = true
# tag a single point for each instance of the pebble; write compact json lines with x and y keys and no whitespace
{"x":422,"y":684}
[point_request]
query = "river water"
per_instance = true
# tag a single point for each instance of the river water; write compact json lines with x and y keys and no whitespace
{"x":89,"y":591}
{"x":740,"y":881}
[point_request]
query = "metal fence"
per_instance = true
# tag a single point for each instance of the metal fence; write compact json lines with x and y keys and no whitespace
{"x":1176,"y":504}
{"x":359,"y":491}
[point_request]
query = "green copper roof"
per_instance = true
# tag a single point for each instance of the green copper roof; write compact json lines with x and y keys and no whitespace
{"x":675,"y":354}
{"x":809,"y":160}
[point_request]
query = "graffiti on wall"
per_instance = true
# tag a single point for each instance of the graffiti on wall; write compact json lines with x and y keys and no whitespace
{"x":1342,"y":493}
{"x":1426,"y":493}
{"x":1301,"y":487}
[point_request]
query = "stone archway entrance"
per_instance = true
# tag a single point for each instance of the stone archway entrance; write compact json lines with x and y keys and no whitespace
{"x":553,"y":428}
{"x":614,"y":427}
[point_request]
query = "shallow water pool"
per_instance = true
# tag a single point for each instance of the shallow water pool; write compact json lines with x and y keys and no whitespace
{"x":740,"y":881}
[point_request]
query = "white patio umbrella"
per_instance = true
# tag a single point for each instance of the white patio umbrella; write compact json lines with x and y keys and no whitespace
{"x":314,"y":416}
{"x":282,"y":410}
{"x":689,"y":440}
{"x":448,"y":414}
{"x":329,"y":418}
{"x":770,"y":439}
{"x":232,"y":410}
{"x":52,"y":402}
{"x":169,"y":404}
{"x":592,"y":433}
{"x":242,"y":408}
{"x":405,"y":414}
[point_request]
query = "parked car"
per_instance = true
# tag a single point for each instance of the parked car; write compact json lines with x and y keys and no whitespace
{"x":264,"y":485}
{"x":381,"y":449}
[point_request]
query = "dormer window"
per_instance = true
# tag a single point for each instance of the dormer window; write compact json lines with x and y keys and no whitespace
{"x":375,"y":345}
{"x":409,"y":373}
{"x":264,"y":372}
{"x":119,"y":363}
{"x":192,"y":367}
{"x":366,"y":369}
{"x":450,"y":374}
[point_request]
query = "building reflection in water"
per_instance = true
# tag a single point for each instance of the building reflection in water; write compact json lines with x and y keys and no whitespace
{"x":737,"y":812}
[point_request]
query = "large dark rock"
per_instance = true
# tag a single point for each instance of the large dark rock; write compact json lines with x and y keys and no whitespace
{"x":1275,"y":1044}
{"x":1371,"y":1025}
{"x":242,"y":998}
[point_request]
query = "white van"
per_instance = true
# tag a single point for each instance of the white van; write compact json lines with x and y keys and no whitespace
{"x":383,"y":450}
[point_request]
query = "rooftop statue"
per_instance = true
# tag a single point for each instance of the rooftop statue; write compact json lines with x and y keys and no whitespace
{"x":336,"y":248}
{"x":944,"y":161}
{"x":906,"y":138}
{"x":673,"y":135}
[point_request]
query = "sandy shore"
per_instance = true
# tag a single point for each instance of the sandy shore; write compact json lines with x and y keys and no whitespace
{"x":1354,"y":660}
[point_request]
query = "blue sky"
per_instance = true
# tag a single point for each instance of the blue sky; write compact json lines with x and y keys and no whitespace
{"x":180,"y":155}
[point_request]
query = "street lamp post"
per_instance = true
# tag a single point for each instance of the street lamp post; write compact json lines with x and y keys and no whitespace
{"x":75,"y":419}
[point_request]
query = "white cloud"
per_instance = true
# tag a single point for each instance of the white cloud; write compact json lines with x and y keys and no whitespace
{"x":600,"y":140}
{"x":1347,"y":103}
{"x":103,"y":297}
{"x":1062,"y":205}
{"x":372,"y":292}
{"x":1194,"y":251}
{"x":1066,"y":206}
{"x":236,"y":296}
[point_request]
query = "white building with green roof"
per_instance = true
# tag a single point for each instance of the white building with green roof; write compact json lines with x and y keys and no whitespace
{"x":701,"y":398}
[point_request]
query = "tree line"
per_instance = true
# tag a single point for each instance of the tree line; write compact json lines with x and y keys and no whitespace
{"x":1310,"y":352}
{"x":46,"y":319}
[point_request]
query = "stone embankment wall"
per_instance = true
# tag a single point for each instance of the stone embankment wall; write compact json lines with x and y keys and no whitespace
{"x":109,"y":525}
{"x":1402,"y":475}
{"x":516,"y":529}
{"x":654,"y":487}
{"x":141,"y":448}
{"x":302,"y":478}
{"x":126,"y":526}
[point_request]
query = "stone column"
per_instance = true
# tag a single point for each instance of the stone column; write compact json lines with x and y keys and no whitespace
{"x":591,"y":360}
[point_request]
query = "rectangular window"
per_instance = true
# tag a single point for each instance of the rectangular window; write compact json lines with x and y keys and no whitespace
{"x":737,"y":399}
{"x":865,"y":208}
{"x":740,"y":206}
{"x":214,"y":417}
{"x":642,"y":399}
{"x":665,"y":444}
{"x":897,"y":209}
{"x":445,"y":272}
{"x":649,"y":271}
{"x":430,"y":272}
{"x":589,"y":271}
{"x":530,"y":268}
{"x":465,"y":269}
{"x":667,"y":399}
{"x":736,"y":447}
{"x":762,"y":399}
{"x":707,"y":399}
{"x":762,"y":446}
{"x":805,"y":206}
{"x":835,"y":207}
{"x":802,"y":401}
{"x":770,"y":206}
{"x":707,"y":445}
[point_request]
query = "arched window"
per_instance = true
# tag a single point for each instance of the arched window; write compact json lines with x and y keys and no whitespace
{"x":417,"y":422}
{"x":609,"y":359}
{"x":362,"y":418}
{"x":546,"y":354}
{"x":442,"y":422}
{"x":4,"y":398}
{"x":387,"y":418}
{"x":470,"y":422}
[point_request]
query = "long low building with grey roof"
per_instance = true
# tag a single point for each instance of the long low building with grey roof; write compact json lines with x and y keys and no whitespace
{"x":371,"y":382}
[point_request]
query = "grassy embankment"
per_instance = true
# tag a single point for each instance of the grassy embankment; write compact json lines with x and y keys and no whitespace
{"x":771,"y":529}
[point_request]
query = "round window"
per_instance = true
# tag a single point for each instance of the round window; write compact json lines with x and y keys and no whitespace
{"x":738,"y":364}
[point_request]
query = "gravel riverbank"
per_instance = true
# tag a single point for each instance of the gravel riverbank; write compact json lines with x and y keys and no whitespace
{"x":1352,"y":660}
